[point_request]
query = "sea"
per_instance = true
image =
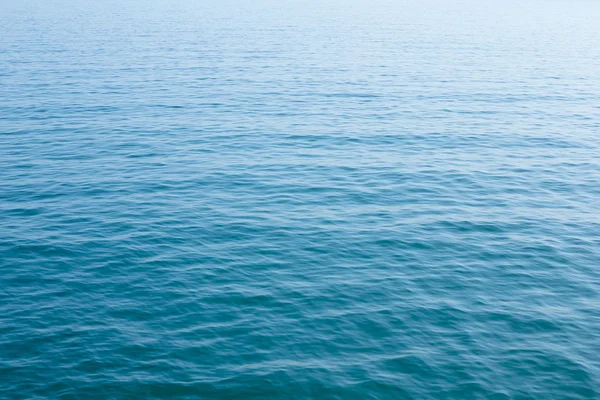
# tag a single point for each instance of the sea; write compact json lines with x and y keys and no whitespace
{"x":300,"y":199}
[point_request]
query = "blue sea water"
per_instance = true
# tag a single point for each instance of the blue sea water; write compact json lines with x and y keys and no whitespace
{"x":299,"y":199}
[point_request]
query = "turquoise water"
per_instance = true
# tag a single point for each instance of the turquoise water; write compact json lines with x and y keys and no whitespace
{"x":299,"y":200}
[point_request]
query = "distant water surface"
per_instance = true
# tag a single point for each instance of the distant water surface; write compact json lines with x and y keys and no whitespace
{"x":299,"y":199}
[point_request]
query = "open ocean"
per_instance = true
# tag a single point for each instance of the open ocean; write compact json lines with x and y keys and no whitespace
{"x":319,"y":199}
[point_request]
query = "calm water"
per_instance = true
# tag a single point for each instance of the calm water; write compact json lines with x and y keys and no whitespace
{"x":299,"y":200}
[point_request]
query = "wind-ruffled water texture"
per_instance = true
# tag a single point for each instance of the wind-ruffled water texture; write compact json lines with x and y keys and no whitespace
{"x":299,"y":200}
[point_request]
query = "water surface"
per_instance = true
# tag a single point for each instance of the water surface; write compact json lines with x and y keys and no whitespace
{"x":299,"y":199}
